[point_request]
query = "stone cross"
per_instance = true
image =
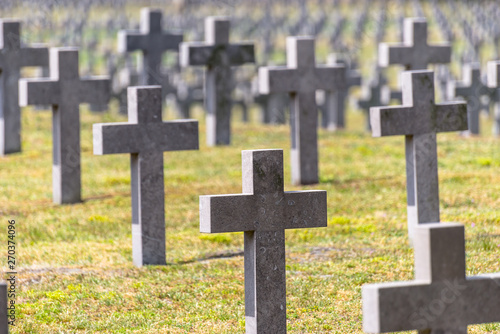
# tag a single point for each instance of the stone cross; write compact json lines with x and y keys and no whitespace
{"x":152,"y":41}
{"x":472,"y":90}
{"x":4,"y":320}
{"x":12,"y":58}
{"x":334,"y":117}
{"x":65,"y":90}
{"x":494,"y":83}
{"x":301,"y":78}
{"x":218,"y":55}
{"x":263,"y":211}
{"x":145,"y":136}
{"x":375,"y":94}
{"x":441,"y":299}
{"x":419,"y":119}
{"x":414,"y":53}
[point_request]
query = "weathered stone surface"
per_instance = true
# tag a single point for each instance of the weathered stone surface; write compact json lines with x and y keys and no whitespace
{"x":145,"y":136}
{"x":494,"y":83}
{"x":301,"y":78}
{"x":218,"y":56}
{"x":12,"y":58}
{"x":419,"y":119}
{"x":414,"y":53}
{"x":4,"y":321}
{"x":153,"y":42}
{"x":64,"y":90}
{"x":472,"y":90}
{"x":263,"y":211}
{"x":441,"y":299}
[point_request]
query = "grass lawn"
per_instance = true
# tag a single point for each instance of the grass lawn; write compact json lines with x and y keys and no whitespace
{"x":74,"y":261}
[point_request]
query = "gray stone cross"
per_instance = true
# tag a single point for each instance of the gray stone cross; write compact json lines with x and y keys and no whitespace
{"x":218,"y":55}
{"x":152,"y":41}
{"x":441,"y":299}
{"x":414,"y":53}
{"x":263,"y":211}
{"x":419,"y":119}
{"x":146,"y":137}
{"x":12,"y":58}
{"x":494,"y":83}
{"x":65,"y":90}
{"x":472,"y":90}
{"x":301,"y":78}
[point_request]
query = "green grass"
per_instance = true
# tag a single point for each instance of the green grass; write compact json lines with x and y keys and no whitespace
{"x":75,"y":261}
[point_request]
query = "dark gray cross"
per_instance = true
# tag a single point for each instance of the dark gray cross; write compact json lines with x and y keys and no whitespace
{"x":65,"y":90}
{"x":263,"y":211}
{"x":12,"y":58}
{"x":146,"y":137}
{"x":152,"y":41}
{"x":472,"y":90}
{"x":334,"y":116}
{"x":414,"y":53}
{"x":4,"y":321}
{"x":441,"y":299}
{"x":419,"y":119}
{"x":494,"y":83}
{"x":218,"y":56}
{"x":301,"y":78}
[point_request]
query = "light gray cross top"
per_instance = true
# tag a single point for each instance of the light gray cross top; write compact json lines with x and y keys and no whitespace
{"x":152,"y":41}
{"x":414,"y":53}
{"x":472,"y":90}
{"x":4,"y":320}
{"x":301,"y":78}
{"x":12,"y":58}
{"x":263,"y":211}
{"x":419,"y":119}
{"x":218,"y":56}
{"x":64,"y":90}
{"x":146,"y":137}
{"x":494,"y":83}
{"x":441,"y":299}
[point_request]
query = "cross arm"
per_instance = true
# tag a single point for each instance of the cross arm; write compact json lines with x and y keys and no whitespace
{"x":95,"y":90}
{"x":439,"y":53}
{"x":241,"y":53}
{"x":34,"y":56}
{"x":195,"y":54}
{"x":171,"y":41}
{"x":329,"y":78}
{"x":402,"y":306}
{"x":391,"y":121}
{"x":113,"y":138}
{"x":227,"y":213}
{"x":278,"y":80}
{"x":130,"y":41}
{"x":304,"y":209}
{"x":38,"y":91}
{"x":389,"y":54}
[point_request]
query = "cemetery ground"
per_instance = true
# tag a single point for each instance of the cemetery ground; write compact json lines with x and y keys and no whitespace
{"x":75,"y":261}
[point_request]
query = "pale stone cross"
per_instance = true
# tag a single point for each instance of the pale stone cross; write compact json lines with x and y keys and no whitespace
{"x":145,"y":136}
{"x":263,"y":211}
{"x":65,"y":90}
{"x":153,"y":42}
{"x":441,"y":299}
{"x":218,"y":55}
{"x":12,"y":58}
{"x":414,"y":53}
{"x":494,"y":83}
{"x":419,"y":119}
{"x":301,"y":78}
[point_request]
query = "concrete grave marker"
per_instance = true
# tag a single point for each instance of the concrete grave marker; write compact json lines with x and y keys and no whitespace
{"x":12,"y":58}
{"x":145,"y":136}
{"x":472,"y":90}
{"x":263,"y":211}
{"x":414,"y":53}
{"x":334,"y":117}
{"x":153,"y":42}
{"x":494,"y":83}
{"x":218,"y":55}
{"x":65,"y":90}
{"x":441,"y":299}
{"x":301,"y":78}
{"x":419,"y":119}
